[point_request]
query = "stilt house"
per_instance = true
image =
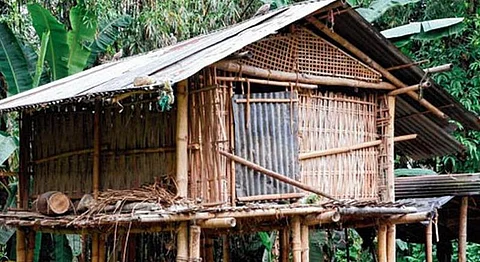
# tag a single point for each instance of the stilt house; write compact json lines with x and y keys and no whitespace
{"x":230,"y":132}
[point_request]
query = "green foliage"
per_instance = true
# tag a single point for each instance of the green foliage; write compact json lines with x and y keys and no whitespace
{"x":84,"y":25}
{"x":63,"y":252}
{"x":38,"y":247}
{"x":426,"y":30}
{"x":13,"y":63}
{"x":41,"y":59}
{"x":378,"y":7}
{"x":57,"y":49}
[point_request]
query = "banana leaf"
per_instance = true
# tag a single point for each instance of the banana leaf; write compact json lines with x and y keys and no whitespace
{"x":378,"y":7}
{"x":8,"y":145}
{"x":75,"y":244}
{"x":84,"y":26}
{"x":426,"y":30}
{"x":13,"y":64}
{"x":41,"y":59}
{"x":62,"y":252}
{"x":38,"y":247}
{"x":107,"y":35}
{"x":57,"y":48}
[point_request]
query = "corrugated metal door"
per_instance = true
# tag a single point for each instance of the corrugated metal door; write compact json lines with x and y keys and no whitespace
{"x":266,"y":136}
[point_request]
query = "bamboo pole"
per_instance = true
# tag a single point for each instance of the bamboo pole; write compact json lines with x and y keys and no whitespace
{"x":235,"y":67}
{"x":462,"y":231}
{"x":382,"y":243}
{"x":95,"y":247}
{"x":366,"y":59}
{"x":439,"y":69}
{"x":31,"y":245}
{"x":218,"y":223}
{"x":275,"y":175}
{"x":182,"y":163}
{"x":20,"y":246}
{"x":101,"y":247}
{"x":428,"y":242}
{"x":390,"y":176}
{"x":96,"y":148}
{"x":225,"y":248}
{"x":407,"y":65}
{"x":23,"y":179}
{"x":305,"y":244}
{"x":409,"y":88}
{"x":270,"y":197}
{"x":209,"y":252}
{"x":284,"y":245}
{"x":195,"y":233}
{"x":296,"y":240}
{"x":346,"y":149}
{"x":266,"y":82}
{"x":332,"y":216}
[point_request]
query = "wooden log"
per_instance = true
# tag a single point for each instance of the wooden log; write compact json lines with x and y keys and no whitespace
{"x":462,"y":230}
{"x":21,"y":245}
{"x":270,"y":197}
{"x":296,"y":240}
{"x":195,"y":232}
{"x":439,"y":69}
{"x":267,"y":82}
{"x":86,"y":202}
{"x":182,"y":242}
{"x":305,"y":243}
{"x":284,"y":245}
{"x":227,"y":222}
{"x":96,"y":148}
{"x":275,"y":175}
{"x":95,"y":247}
{"x":382,"y":243}
{"x":409,"y":88}
{"x":53,"y":203}
{"x":341,"y":150}
{"x":366,"y":59}
{"x":235,"y":67}
{"x":428,"y":242}
{"x":391,"y":243}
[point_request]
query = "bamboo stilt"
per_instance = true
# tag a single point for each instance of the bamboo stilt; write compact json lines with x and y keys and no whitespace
{"x":462,"y":231}
{"x":209,"y":252}
{"x":428,"y":242}
{"x":225,"y":248}
{"x":181,"y":163}
{"x":296,"y":240}
{"x":284,"y":245}
{"x":391,"y":243}
{"x":95,"y":247}
{"x":31,"y":245}
{"x":305,"y":244}
{"x":195,"y":232}
{"x":21,"y":248}
{"x":366,"y":59}
{"x":101,"y":248}
{"x":382,"y":243}
{"x":96,"y":148}
{"x":389,"y":136}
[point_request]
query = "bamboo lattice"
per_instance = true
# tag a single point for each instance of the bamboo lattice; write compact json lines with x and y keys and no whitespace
{"x":333,"y":120}
{"x":307,"y":53}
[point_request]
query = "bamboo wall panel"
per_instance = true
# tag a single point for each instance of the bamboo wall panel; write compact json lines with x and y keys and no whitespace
{"x":307,"y":53}
{"x":210,"y":130}
{"x":55,"y":133}
{"x":266,"y":135}
{"x":331,"y":120}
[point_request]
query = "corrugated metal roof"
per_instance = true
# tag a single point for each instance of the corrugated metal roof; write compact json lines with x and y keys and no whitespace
{"x":180,"y":61}
{"x":173,"y":63}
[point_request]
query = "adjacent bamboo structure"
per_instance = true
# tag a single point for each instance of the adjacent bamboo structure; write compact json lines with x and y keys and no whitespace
{"x":382,"y":243}
{"x":284,"y":240}
{"x":21,"y":245}
{"x":428,"y":242}
{"x":195,"y":232}
{"x":296,"y":239}
{"x":462,"y":231}
{"x":305,"y":243}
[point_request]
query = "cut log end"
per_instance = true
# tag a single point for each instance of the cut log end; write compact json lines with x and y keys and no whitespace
{"x":53,"y":203}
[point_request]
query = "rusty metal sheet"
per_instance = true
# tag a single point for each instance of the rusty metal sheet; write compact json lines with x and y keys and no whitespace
{"x":267,"y":137}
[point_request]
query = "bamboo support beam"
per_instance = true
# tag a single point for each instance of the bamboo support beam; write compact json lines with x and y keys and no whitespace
{"x":276,"y":175}
{"x":439,"y":69}
{"x":305,"y":243}
{"x":341,"y":150}
{"x":462,"y":231}
{"x":225,"y":248}
{"x":296,"y":240}
{"x":391,"y":243}
{"x":284,"y":245}
{"x":31,"y":245}
{"x":195,"y":233}
{"x":409,"y":88}
{"x":366,"y":59}
{"x":407,"y":65}
{"x":23,"y":174}
{"x":266,"y":82}
{"x":235,"y":67}
{"x":270,"y":197}
{"x":428,"y":242}
{"x":96,"y":148}
{"x":390,"y":150}
{"x":382,"y":243}
{"x":209,"y":252}
{"x":95,"y":247}
{"x":227,"y":222}
{"x":332,"y":216}
{"x":21,"y":245}
{"x":182,"y":242}
{"x":102,"y":247}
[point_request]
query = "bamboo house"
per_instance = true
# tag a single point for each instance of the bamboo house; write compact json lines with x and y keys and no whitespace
{"x":231,"y":132}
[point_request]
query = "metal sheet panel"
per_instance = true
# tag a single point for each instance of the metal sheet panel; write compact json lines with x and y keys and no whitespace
{"x":267,"y":137}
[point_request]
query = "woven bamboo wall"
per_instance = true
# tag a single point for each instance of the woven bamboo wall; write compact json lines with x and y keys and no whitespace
{"x":332,"y":120}
{"x":305,"y":52}
{"x":210,"y":130}
{"x":137,"y":147}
